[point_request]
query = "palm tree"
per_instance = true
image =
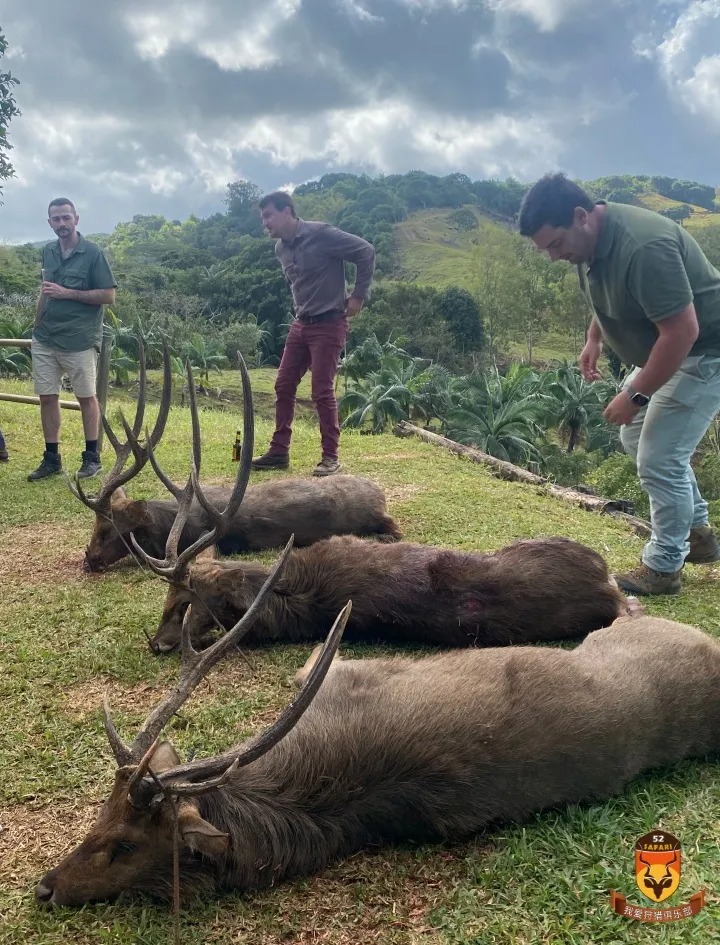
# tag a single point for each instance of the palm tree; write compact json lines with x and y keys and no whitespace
{"x":577,"y":405}
{"x":507,"y":431}
{"x":204,"y":356}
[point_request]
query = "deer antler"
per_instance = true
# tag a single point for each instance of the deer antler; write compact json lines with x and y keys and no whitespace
{"x":203,"y":775}
{"x":116,"y":477}
{"x":174,"y":566}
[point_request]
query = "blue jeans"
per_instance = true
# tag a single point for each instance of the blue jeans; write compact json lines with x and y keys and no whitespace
{"x":661,"y":439}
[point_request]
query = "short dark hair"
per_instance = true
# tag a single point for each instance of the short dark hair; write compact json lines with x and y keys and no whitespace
{"x":552,"y":201}
{"x":61,"y":202}
{"x":279,"y":199}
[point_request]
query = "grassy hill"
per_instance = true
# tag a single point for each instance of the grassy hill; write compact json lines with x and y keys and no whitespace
{"x":431,"y":250}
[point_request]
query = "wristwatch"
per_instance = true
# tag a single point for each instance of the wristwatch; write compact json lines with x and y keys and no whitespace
{"x":640,"y":400}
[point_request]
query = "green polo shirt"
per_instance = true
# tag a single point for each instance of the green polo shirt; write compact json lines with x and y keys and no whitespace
{"x":647,"y":268}
{"x":66,"y":324}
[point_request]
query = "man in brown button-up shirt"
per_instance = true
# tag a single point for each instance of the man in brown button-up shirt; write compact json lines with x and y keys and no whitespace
{"x":313,"y":256}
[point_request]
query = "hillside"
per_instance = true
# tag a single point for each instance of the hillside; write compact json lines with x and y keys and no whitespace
{"x":431,"y":250}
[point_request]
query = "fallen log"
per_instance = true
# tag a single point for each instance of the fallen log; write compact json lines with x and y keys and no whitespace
{"x":512,"y":473}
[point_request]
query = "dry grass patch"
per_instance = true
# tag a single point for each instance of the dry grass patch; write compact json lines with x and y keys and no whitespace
{"x":86,"y":698}
{"x":32,"y":840}
{"x":403,"y":493}
{"x":42,"y":553}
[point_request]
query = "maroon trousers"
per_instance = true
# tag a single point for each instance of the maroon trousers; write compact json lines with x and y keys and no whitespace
{"x":316,"y":346}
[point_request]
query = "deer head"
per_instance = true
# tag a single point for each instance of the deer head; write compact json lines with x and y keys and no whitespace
{"x":154,"y":799}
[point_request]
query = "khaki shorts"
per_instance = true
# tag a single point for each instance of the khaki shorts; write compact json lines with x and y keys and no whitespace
{"x":49,"y":365}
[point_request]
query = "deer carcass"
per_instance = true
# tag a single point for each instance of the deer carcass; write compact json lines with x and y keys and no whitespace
{"x":393,"y":750}
{"x":309,"y":509}
{"x":533,"y":590}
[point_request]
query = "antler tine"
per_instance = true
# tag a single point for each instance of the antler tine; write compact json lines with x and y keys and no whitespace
{"x":222,"y":520}
{"x":174,"y":490}
{"x":123,"y":755}
{"x":142,"y":767}
{"x":142,"y":389}
{"x":195,"y":666}
{"x":173,"y":565}
{"x":242,"y":756}
{"x":116,"y":477}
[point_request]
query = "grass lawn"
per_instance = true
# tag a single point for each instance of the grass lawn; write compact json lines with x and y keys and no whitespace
{"x":67,"y":637}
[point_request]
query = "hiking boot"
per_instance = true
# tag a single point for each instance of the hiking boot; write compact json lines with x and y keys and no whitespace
{"x":271,"y":461}
{"x":326,"y":467}
{"x":644,"y":580}
{"x":51,"y":465}
{"x":91,"y":465}
{"x":704,"y":546}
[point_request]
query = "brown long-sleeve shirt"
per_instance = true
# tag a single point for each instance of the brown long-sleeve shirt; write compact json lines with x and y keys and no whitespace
{"x":313,"y":262}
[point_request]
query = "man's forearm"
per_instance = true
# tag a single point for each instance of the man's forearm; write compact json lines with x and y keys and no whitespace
{"x":92,"y":296}
{"x":665,"y":358}
{"x":595,"y":331}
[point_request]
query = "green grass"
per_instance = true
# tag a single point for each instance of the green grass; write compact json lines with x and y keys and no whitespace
{"x":67,"y":637}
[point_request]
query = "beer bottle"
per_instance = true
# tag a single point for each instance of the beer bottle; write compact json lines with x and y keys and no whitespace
{"x":237,"y":447}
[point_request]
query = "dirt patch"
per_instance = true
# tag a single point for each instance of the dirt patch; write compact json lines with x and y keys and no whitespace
{"x":34,"y":840}
{"x":43,"y":553}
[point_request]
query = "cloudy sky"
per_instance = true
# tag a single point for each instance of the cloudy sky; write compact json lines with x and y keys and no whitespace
{"x":152,"y":106}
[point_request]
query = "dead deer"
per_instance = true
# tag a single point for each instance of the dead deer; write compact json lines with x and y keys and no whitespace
{"x":533,"y":590}
{"x":393,"y":750}
{"x":309,"y":509}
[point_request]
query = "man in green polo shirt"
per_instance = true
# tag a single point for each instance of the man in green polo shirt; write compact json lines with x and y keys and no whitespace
{"x":77,"y":283}
{"x":656,"y":299}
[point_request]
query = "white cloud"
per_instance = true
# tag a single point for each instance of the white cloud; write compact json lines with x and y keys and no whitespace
{"x":547,"y":14}
{"x":389,"y":136}
{"x":357,"y":11}
{"x":689,"y":62}
{"x":233,"y":48}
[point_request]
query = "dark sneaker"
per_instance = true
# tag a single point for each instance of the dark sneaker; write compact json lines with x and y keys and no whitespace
{"x":271,"y":461}
{"x":4,"y":458}
{"x":704,"y":546}
{"x":644,"y":580}
{"x":91,"y":465}
{"x":326,"y":467}
{"x":51,"y":465}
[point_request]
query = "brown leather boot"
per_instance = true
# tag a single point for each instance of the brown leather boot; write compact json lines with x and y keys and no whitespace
{"x":704,"y":546}
{"x":644,"y":580}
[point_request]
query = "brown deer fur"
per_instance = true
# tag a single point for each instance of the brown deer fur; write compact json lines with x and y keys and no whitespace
{"x":433,"y":749}
{"x":271,"y":512}
{"x":533,"y":590}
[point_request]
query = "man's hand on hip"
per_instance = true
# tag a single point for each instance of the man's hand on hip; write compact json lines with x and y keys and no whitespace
{"x":353,"y":306}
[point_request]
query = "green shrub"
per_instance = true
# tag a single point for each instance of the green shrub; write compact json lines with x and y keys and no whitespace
{"x":463,"y":219}
{"x":707,"y":473}
{"x":567,"y":469}
{"x":616,"y":478}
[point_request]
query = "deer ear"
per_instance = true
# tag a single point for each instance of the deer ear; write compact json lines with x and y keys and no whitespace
{"x":134,"y":511}
{"x":199,"y":835}
{"x":208,"y":554}
{"x":165,"y":757}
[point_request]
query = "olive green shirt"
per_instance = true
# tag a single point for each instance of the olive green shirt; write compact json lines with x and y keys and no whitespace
{"x":647,"y":268}
{"x":66,"y":324}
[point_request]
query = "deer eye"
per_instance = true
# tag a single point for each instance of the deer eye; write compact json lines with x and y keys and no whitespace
{"x":122,"y":849}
